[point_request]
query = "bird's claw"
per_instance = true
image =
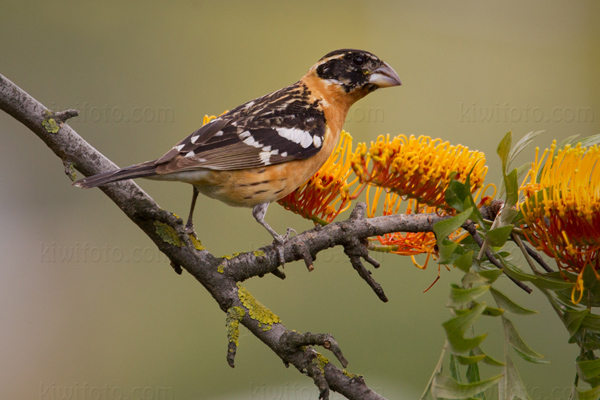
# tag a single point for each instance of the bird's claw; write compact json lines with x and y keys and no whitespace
{"x":279,"y":242}
{"x":189,"y":229}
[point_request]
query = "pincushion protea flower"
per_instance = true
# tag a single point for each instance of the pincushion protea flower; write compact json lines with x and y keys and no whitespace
{"x":327,"y":193}
{"x":562,"y":208}
{"x":418,"y":168}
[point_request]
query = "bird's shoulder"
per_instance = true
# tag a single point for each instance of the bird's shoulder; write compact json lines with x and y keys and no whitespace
{"x":285,"y":125}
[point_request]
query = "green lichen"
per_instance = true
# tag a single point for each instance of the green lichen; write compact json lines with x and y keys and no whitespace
{"x":234,"y":316}
{"x":197,"y":244}
{"x":50,"y":125}
{"x":230,"y":256}
{"x":256,"y":310}
{"x":221,"y":268}
{"x":351,"y":375}
{"x":259,"y":253}
{"x":70,"y":170}
{"x":320,"y":361}
{"x":167,"y":234}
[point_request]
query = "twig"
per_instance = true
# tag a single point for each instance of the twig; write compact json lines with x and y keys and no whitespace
{"x":470,"y":227}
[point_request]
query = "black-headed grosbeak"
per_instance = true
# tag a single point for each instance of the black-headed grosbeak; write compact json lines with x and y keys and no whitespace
{"x":263,"y":150}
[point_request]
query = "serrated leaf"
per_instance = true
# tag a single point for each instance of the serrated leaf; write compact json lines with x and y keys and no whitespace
{"x":573,"y":320}
{"x":497,"y":237}
{"x":507,"y":304}
{"x":504,"y":151}
{"x":522,"y":145}
{"x":464,"y":261}
{"x":471,"y":278}
{"x":454,"y":370}
{"x":447,"y":388}
{"x":471,"y":359}
{"x":460,"y":296}
{"x":444,"y":228}
{"x":456,"y":194}
{"x":490,"y":275}
{"x":472,"y":376}
{"x":512,"y":386}
{"x":488,"y":360}
{"x":589,"y":370}
{"x":493,"y":312}
{"x":589,"y":141}
{"x":447,"y":250}
{"x":512,"y":191}
{"x":457,"y":327}
{"x":552,"y":283}
{"x":591,"y":322}
{"x":514,"y":339}
{"x":566,"y":141}
{"x":514,"y":272}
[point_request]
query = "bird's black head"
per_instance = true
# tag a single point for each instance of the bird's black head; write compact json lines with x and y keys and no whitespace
{"x":356,"y":70}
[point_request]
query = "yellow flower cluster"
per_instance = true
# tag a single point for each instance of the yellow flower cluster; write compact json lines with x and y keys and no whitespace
{"x":562,"y":207}
{"x":418,"y":168}
{"x":327,"y":193}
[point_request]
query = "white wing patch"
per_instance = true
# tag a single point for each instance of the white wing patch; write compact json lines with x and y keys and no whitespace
{"x":317,"y":141}
{"x":303,"y":138}
{"x":250,"y":141}
{"x":265,"y":155}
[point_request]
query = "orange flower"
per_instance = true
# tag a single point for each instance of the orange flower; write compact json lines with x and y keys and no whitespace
{"x":562,"y":208}
{"x":418,"y":168}
{"x":327,"y":193}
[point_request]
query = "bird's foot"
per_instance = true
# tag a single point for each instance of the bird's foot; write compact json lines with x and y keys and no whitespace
{"x":189,"y":229}
{"x":279,"y":241}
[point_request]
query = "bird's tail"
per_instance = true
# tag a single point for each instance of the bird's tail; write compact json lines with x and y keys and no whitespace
{"x":142,"y":170}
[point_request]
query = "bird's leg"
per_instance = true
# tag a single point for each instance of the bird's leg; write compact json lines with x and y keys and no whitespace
{"x":259,"y":211}
{"x":189,"y":225}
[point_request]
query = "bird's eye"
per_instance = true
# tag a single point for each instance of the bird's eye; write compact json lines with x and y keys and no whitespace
{"x":358,"y":60}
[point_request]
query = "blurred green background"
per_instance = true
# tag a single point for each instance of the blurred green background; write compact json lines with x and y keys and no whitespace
{"x":89,"y":307}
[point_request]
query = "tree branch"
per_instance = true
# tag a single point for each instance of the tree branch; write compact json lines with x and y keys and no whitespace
{"x":221,"y":276}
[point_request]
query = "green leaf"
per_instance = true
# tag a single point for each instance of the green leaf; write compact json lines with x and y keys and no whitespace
{"x":464,"y":261}
{"x":456,"y":194}
{"x":591,"y":322}
{"x":457,"y":327}
{"x":491,"y":275}
{"x":508,"y":305}
{"x":444,"y":228}
{"x":511,"y":386}
{"x":592,"y":394}
{"x":504,"y":151}
{"x":447,"y":388}
{"x":454,"y":370}
{"x":522,"y":144}
{"x":471,"y":278}
{"x":589,"y":370}
{"x":448,"y":251}
{"x":493,"y":312}
{"x":514,"y":339}
{"x":498,"y":237}
{"x":553,"y":284}
{"x":514,"y":272}
{"x":488,"y":360}
{"x":512,"y":192}
{"x":460,"y":296}
{"x":589,"y":141}
{"x":573,"y":320}
{"x":566,"y":141}
{"x":471,"y":359}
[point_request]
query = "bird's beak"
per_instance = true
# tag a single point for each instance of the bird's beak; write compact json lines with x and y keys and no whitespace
{"x":384,"y":76}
